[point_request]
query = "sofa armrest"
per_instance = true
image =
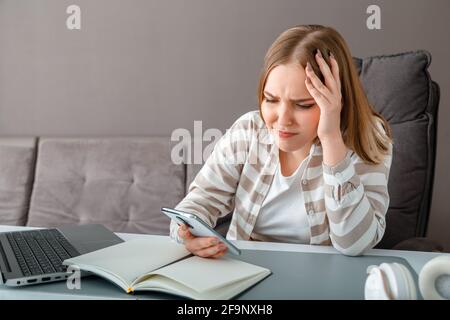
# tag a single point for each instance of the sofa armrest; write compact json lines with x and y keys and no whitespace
{"x":419,"y":244}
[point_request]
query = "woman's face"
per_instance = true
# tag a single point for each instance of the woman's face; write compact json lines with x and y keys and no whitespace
{"x":288,"y":106}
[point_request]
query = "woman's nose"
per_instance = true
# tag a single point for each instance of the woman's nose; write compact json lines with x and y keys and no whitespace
{"x":285,"y":115}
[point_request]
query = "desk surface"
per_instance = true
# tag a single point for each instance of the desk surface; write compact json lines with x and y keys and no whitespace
{"x":254,"y":252}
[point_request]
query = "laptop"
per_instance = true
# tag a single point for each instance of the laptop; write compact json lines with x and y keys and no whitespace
{"x":36,"y":256}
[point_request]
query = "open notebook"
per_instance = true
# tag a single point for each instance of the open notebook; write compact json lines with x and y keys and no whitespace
{"x":158,"y":265}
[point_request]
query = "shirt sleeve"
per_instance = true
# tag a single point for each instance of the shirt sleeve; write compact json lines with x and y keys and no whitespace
{"x":211,"y":194}
{"x":356,"y":201}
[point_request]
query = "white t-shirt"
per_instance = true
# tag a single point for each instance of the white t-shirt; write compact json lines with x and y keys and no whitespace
{"x":282,"y":216}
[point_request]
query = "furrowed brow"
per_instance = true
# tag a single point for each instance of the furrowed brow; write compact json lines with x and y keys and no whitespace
{"x":292,"y":100}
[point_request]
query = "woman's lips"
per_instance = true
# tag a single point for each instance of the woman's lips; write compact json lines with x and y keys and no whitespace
{"x":284,"y":134}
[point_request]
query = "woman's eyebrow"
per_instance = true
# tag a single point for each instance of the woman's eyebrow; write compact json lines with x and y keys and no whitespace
{"x":293,"y":100}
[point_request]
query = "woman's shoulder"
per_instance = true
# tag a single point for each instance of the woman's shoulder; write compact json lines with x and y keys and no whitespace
{"x":249,"y":126}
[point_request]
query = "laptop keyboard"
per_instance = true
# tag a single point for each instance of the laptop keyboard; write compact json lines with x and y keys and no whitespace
{"x":41,"y":251}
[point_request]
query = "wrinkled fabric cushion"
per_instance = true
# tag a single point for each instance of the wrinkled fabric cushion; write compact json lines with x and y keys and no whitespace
{"x":399,"y":87}
{"x":16,"y":178}
{"x":419,"y":244}
{"x":121,"y":183}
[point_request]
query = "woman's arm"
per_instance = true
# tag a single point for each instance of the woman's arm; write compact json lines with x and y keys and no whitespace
{"x":356,"y":195}
{"x":356,"y":201}
{"x":211,"y":194}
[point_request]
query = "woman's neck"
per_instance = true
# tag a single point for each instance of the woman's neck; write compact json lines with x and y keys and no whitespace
{"x":289,"y":161}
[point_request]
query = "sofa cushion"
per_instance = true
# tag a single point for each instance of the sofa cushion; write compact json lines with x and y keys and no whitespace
{"x":400,"y":88}
{"x":16,"y":177}
{"x":119,"y":182}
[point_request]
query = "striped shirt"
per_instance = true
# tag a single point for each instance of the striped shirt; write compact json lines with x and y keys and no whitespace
{"x":282,"y":217}
{"x":346,"y":203}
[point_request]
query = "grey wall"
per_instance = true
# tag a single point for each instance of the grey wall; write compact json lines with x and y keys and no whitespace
{"x":148,"y":67}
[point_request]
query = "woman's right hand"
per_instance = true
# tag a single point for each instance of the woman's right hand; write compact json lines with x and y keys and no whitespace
{"x":205,"y":247}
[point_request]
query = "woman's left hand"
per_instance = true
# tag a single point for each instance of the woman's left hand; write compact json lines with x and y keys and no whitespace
{"x":327,"y":96}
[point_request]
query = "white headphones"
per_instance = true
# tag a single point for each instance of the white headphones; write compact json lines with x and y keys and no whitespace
{"x":393,"y":281}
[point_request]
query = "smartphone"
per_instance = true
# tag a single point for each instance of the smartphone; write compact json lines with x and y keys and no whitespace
{"x":198,"y":227}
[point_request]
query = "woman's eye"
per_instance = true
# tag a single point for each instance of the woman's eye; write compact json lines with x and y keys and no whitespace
{"x":269,"y":101}
{"x":304,"y":106}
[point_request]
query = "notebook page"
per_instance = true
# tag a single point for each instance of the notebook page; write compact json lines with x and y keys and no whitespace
{"x":163,"y":284}
{"x":132,"y":258}
{"x":203,"y":274}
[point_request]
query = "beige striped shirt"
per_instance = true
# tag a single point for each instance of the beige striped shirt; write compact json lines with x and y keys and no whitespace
{"x":345,"y":204}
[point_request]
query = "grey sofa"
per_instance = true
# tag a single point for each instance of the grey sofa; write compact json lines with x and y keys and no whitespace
{"x":123,"y":182}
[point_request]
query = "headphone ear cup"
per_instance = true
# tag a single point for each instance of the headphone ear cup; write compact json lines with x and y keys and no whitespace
{"x":434,"y":278}
{"x":376,"y":286}
{"x":390,"y":281}
{"x":405,"y":280}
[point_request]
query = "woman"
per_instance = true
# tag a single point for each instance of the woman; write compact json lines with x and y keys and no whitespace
{"x":311,"y":166}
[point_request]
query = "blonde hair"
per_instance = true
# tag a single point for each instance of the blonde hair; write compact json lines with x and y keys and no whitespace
{"x":360,"y":123}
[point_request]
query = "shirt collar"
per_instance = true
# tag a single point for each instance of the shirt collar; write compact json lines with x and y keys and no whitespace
{"x":265,"y":136}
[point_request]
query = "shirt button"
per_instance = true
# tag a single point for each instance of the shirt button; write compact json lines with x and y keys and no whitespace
{"x":304,"y":182}
{"x":311,"y":212}
{"x":338,"y":175}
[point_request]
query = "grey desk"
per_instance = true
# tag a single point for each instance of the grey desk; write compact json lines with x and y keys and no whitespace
{"x":298,"y":272}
